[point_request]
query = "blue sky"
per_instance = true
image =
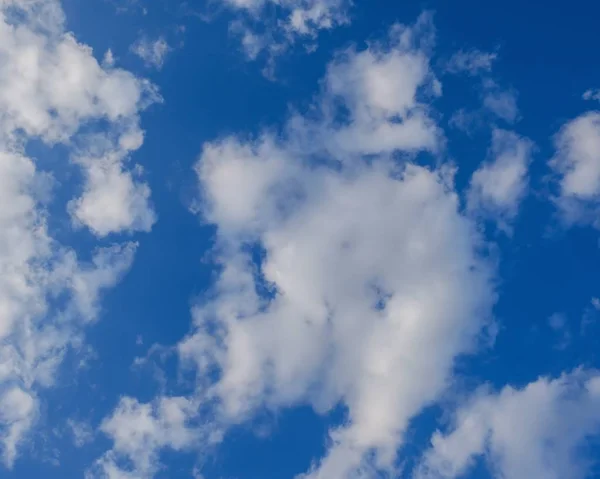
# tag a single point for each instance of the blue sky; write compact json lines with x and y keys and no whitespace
{"x":314,"y":239}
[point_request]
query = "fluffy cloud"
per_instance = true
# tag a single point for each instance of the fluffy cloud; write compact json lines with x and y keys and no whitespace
{"x":576,"y":165}
{"x":51,"y":88}
{"x":370,"y":281}
{"x":50,"y":85}
{"x":113,"y":201}
{"x":138,"y":431}
{"x":537,"y":431}
{"x":153,"y":52}
{"x":499,"y":184}
{"x":379,"y":88}
{"x":361,"y":261}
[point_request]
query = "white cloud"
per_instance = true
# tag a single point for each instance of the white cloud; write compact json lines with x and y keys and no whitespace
{"x":153,"y":52}
{"x":576,"y":165}
{"x":17,"y":412}
{"x":113,"y":201}
{"x":301,"y":17}
{"x":379,"y":87}
{"x":498,"y":186}
{"x":376,"y":284}
{"x":537,"y":431}
{"x":472,"y":62}
{"x":139,"y":431}
{"x":297,"y":20}
{"x":51,"y":87}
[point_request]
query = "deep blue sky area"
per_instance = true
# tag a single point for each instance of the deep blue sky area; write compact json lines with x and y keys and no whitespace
{"x":547,"y":56}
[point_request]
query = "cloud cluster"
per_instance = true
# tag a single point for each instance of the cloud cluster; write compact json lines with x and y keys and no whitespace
{"x":349,"y":276}
{"x":296,"y":20}
{"x":50,"y":86}
{"x":370,"y":281}
{"x":51,"y":90}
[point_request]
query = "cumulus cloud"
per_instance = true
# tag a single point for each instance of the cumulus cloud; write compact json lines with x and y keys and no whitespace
{"x":538,"y":431}
{"x":379,"y":88}
{"x":139,"y":431}
{"x":113,"y":201}
{"x":498,"y":186}
{"x":153,"y":52}
{"x":576,"y":165}
{"x":51,"y":85}
{"x":371,"y":281}
{"x":51,"y":88}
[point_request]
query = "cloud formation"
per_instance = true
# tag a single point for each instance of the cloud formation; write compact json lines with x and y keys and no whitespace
{"x":370,"y":281}
{"x":539,"y":430}
{"x":139,"y":431}
{"x":297,"y":20}
{"x":52,"y":88}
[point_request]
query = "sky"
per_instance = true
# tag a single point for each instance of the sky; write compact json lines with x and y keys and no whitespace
{"x":299,"y":239}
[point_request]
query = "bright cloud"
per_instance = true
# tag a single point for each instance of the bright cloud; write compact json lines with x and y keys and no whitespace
{"x":51,"y":87}
{"x":539,"y":431}
{"x":374,"y":284}
{"x":139,"y":431}
{"x":352,"y":271}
